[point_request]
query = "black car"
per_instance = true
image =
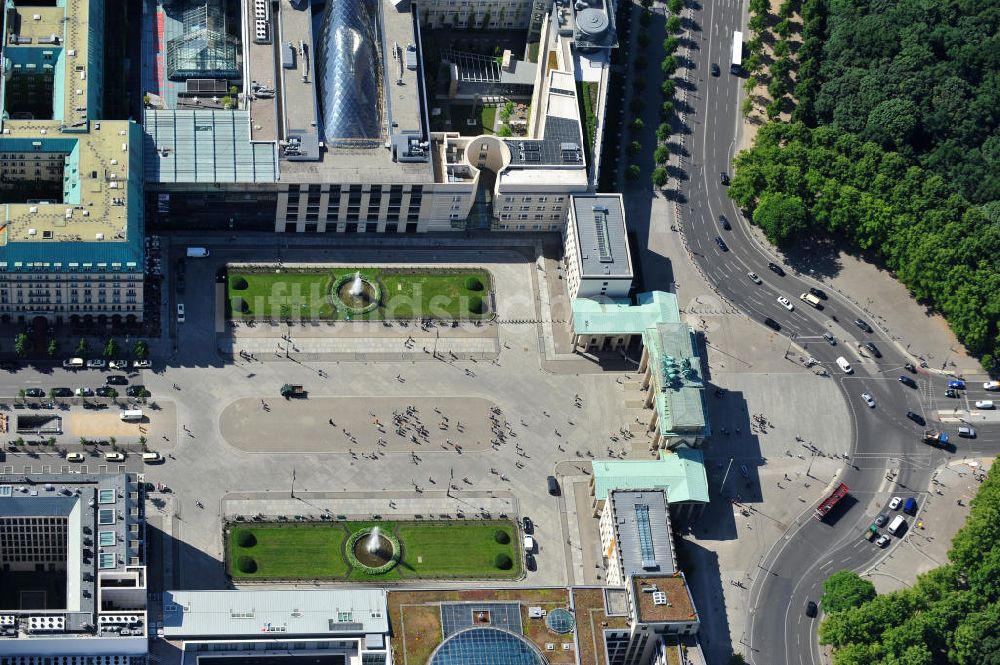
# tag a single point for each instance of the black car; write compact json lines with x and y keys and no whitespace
{"x":135,"y":391}
{"x":907,"y":381}
{"x":819,"y":293}
{"x":529,"y":527}
{"x":874,"y":349}
{"x":62,"y":392}
{"x":916,"y":417}
{"x":950,"y":392}
{"x":776,"y":269}
{"x":724,"y":178}
{"x":910,"y":368}
{"x":34,"y":392}
{"x":811,"y":609}
{"x":772,"y":324}
{"x":715,"y":69}
{"x":104,"y":391}
{"x":116,"y":380}
{"x":863,"y":325}
{"x":721,"y":243}
{"x":725,"y":223}
{"x":529,"y":561}
{"x":882,"y":519}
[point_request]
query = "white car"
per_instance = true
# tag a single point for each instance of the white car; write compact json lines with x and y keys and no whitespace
{"x":118,"y":364}
{"x":967,"y":431}
{"x":180,"y":312}
{"x":869,"y":400}
{"x":754,"y":278}
{"x":84,"y":392}
{"x":882,"y":541}
{"x":784,"y":302}
{"x":97,"y":363}
{"x":142,"y":364}
{"x":991,"y":385}
{"x":984,"y":404}
{"x":895,"y":503}
{"x":74,"y":457}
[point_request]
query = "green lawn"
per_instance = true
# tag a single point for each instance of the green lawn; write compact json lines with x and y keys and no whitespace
{"x":488,"y":119}
{"x":291,"y":551}
{"x":432,"y":550}
{"x":431,"y":294}
{"x":450,"y":550}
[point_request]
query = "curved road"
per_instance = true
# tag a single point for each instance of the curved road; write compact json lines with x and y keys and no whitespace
{"x":886,"y":454}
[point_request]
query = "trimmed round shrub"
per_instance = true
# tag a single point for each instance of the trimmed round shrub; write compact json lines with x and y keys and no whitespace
{"x":476,"y":305}
{"x":246,"y":565}
{"x":501,"y":536}
{"x":245,"y":539}
{"x":502,"y":561}
{"x":473,"y":283}
{"x":240,"y":305}
{"x":239,"y":284}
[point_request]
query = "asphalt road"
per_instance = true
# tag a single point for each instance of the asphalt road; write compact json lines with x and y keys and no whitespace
{"x":886,"y":454}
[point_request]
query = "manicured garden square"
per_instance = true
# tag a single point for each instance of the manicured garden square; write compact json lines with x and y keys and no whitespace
{"x":289,"y":551}
{"x":319,"y":295}
{"x":456,"y":550}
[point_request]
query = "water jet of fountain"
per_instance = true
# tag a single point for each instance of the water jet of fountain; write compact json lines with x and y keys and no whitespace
{"x":373,"y":541}
{"x":357,"y":286}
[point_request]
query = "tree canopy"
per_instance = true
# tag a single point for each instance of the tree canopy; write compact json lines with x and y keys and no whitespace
{"x":798,"y":181}
{"x":844,"y":590}
{"x":951,"y":614}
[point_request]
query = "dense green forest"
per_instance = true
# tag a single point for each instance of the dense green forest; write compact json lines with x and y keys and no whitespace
{"x":951,"y":616}
{"x":894,"y":147}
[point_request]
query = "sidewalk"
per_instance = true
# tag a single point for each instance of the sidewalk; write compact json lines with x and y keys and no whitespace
{"x":942,"y":512}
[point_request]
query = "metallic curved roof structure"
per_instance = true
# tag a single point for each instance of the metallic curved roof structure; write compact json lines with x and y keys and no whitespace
{"x":349,"y":72}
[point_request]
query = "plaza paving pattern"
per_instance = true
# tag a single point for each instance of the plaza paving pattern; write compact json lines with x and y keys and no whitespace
{"x":339,"y":424}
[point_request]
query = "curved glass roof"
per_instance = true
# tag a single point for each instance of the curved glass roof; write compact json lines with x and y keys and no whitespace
{"x":349,"y":72}
{"x":486,"y":646}
{"x":559,"y":620}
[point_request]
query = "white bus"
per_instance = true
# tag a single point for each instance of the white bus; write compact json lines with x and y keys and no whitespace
{"x":736,"y":66}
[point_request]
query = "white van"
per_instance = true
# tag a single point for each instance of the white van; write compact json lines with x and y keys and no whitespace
{"x":197,"y":252}
{"x":151,"y":457}
{"x":114,"y":457}
{"x":73,"y":363}
{"x":810,"y":299}
{"x":529,"y":544}
{"x":844,"y":366}
{"x":130,"y":415}
{"x":984,"y":404}
{"x":896,"y":524}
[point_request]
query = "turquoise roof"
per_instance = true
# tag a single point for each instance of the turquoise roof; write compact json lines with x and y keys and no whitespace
{"x":680,"y":391}
{"x":621,"y":317}
{"x":681,"y":472}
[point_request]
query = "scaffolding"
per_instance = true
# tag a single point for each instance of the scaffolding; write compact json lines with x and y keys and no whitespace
{"x":204,"y":48}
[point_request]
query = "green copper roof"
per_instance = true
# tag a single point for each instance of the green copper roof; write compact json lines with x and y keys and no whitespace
{"x":681,"y":472}
{"x":609,"y":317}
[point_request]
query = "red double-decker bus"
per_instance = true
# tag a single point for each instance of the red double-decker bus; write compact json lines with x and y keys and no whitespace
{"x":827,"y":504}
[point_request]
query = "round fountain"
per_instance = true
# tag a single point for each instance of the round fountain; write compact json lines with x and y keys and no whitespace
{"x":355,"y":293}
{"x":373,"y":551}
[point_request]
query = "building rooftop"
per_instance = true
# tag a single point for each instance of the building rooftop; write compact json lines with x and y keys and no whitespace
{"x":602,"y":247}
{"x":680,"y":399}
{"x":399,"y":154}
{"x":291,"y":612}
{"x":205,"y":146}
{"x":104,"y":590}
{"x":674,"y":605}
{"x":591,"y":317}
{"x":642,"y":531}
{"x":681,"y":472}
